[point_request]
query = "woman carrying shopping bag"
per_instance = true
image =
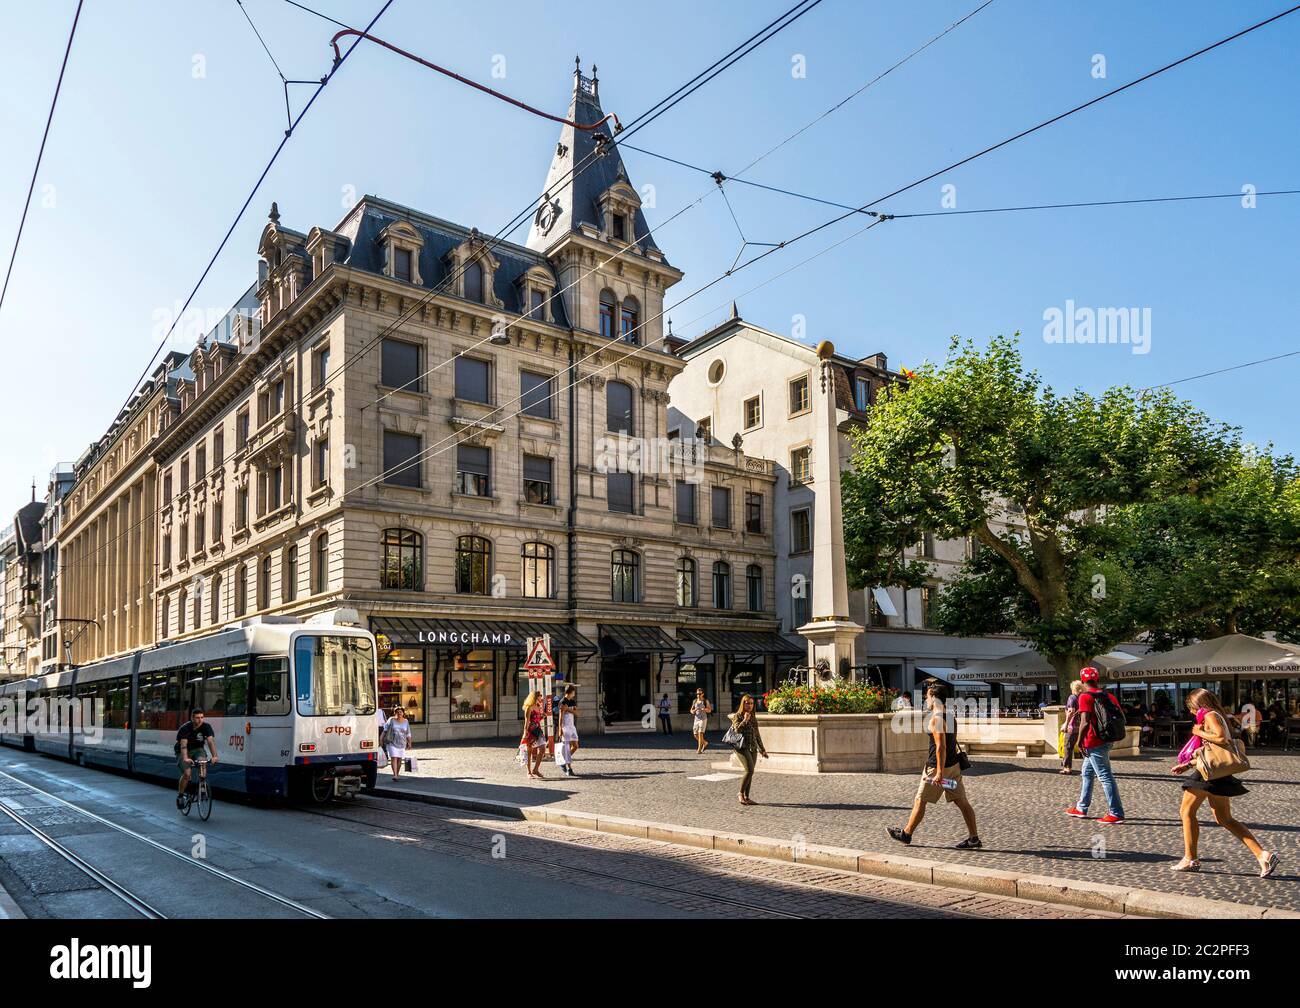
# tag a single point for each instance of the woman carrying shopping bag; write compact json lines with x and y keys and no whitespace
{"x":534,"y":738}
{"x":1215,"y":755}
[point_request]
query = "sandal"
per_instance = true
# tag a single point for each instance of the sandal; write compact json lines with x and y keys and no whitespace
{"x":1268,"y":865}
{"x":1187,"y":865}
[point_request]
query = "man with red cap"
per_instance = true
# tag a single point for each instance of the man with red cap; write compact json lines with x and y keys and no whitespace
{"x":1096,"y":708}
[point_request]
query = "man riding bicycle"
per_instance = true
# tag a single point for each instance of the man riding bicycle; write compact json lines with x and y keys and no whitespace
{"x":190,"y":740}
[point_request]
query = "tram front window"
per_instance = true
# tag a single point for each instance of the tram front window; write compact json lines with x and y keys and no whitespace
{"x":334,"y":675}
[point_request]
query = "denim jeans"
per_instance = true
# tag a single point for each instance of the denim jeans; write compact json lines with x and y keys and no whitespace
{"x":1096,"y":763}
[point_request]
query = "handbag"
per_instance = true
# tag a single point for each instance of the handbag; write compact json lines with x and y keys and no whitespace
{"x":1213,"y":760}
{"x":963,"y":759}
{"x":734,"y":738}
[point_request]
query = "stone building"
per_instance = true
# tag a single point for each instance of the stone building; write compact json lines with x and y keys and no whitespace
{"x":467,"y":441}
{"x":741,"y":380}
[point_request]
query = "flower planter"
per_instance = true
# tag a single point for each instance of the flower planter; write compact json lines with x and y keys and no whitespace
{"x":840,"y":743}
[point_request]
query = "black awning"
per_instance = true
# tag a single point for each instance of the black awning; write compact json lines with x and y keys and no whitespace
{"x":506,"y":635}
{"x":743,"y":642}
{"x":628,"y":638}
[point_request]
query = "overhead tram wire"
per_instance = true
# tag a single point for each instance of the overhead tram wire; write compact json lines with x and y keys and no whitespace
{"x":1024,"y":133}
{"x":1225,"y":370}
{"x":695,"y":83}
{"x":970,"y":158}
{"x":239,"y":215}
{"x":715,"y":69}
{"x":40,"y":153}
{"x":717,"y":188}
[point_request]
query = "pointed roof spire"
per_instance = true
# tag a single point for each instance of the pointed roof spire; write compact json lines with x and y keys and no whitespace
{"x":735,"y":312}
{"x":274,"y":215}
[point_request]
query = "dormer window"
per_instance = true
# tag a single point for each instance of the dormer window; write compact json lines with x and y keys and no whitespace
{"x":402,"y":264}
{"x":473,"y":280}
{"x":618,"y":227}
{"x":537,"y":305}
{"x":401,"y":243}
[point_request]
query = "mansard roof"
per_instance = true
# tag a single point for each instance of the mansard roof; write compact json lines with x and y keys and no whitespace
{"x":371,"y":216}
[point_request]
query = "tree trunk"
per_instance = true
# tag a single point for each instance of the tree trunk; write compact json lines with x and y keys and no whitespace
{"x":1066,"y":667}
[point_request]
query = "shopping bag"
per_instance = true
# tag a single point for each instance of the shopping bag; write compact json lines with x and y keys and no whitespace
{"x":563,"y":754}
{"x":381,"y":759}
{"x":521,"y":757}
{"x":412,"y":764}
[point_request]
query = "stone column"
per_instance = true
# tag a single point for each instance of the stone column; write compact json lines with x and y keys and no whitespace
{"x":831,"y":634}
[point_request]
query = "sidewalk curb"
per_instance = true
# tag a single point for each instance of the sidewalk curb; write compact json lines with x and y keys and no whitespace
{"x":1041,"y":888}
{"x":9,"y":910}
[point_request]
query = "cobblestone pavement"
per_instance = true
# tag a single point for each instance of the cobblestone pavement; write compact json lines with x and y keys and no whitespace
{"x":677,"y":878}
{"x":1020,"y":804}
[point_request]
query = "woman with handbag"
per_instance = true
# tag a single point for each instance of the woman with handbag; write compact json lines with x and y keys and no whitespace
{"x":397,"y":735}
{"x":1070,"y":734}
{"x":744,"y":737}
{"x":534,"y":737}
{"x":1216,"y":760}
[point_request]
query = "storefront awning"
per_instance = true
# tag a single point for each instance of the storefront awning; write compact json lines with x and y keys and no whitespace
{"x":508,"y":635}
{"x":742,"y":642}
{"x":628,"y":638}
{"x":954,"y":677}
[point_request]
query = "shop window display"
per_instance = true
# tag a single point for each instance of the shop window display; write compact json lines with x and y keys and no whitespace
{"x":472,"y":686}
{"x":401,"y":683}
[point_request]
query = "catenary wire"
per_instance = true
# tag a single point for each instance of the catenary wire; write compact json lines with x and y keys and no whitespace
{"x":40,"y":153}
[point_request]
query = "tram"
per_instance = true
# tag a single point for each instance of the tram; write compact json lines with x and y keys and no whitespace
{"x":292,"y":705}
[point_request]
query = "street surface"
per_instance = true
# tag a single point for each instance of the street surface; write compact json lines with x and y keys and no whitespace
{"x":393,"y":860}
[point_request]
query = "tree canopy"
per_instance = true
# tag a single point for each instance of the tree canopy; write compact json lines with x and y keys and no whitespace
{"x":1097,"y":518}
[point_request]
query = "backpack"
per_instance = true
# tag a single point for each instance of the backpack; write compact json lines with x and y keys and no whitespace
{"x":1109,"y":717}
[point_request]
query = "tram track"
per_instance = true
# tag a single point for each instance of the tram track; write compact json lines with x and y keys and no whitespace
{"x":584,"y":867}
{"x":132,"y":899}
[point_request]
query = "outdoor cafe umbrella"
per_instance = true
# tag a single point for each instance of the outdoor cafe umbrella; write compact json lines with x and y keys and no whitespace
{"x":1028,"y":665}
{"x":1222,"y":657}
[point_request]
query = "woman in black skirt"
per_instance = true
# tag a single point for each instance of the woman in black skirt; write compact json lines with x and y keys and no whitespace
{"x":1214,"y":728}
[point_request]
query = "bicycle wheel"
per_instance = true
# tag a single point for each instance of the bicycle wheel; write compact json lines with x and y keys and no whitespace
{"x":187,"y":805}
{"x":205,"y":800}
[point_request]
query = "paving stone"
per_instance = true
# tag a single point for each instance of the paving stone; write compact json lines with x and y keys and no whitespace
{"x":1020,"y":804}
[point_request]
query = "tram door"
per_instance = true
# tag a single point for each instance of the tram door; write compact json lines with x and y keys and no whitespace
{"x":269,"y":745}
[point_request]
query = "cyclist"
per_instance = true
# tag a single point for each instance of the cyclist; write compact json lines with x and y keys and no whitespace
{"x":190,"y":739}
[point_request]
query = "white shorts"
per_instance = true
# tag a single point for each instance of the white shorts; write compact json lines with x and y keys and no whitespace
{"x":699,"y":726}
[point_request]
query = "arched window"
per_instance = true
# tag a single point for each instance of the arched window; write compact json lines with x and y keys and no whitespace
{"x":180,"y":611}
{"x":241,"y":590}
{"x":321,"y":564}
{"x":166,"y":617}
{"x":629,"y":322}
{"x":264,"y":583}
{"x":607,"y":314}
{"x":403,"y":560}
{"x":473,"y":565}
{"x":625,"y":576}
{"x":474,"y":281}
{"x":686,"y":585}
{"x":722,"y":585}
{"x":538,"y":570}
{"x":618,"y":408}
{"x":216,"y":599}
{"x":289,"y":575}
{"x":754,"y":587}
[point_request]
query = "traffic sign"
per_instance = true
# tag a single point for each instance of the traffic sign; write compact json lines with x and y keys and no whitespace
{"x":539,"y":660}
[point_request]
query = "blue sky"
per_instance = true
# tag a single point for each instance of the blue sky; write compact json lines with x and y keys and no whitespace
{"x":148,"y":161}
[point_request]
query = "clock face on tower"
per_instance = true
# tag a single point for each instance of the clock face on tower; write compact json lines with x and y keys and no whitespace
{"x":547,"y":214}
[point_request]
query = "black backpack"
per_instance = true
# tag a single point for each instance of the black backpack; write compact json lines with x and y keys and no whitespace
{"x":1109,"y":717}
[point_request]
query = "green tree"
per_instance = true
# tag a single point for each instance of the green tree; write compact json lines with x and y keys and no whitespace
{"x":1096,"y":518}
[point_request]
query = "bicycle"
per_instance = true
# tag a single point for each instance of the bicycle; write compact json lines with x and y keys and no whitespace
{"x":198,"y":792}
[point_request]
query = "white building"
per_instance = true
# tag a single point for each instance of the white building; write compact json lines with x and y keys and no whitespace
{"x":747,"y":383}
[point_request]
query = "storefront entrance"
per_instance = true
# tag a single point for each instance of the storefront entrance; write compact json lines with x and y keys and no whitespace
{"x":626,"y":683}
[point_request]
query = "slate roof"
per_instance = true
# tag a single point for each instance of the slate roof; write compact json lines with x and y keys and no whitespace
{"x":578,"y":196}
{"x":363,"y":226}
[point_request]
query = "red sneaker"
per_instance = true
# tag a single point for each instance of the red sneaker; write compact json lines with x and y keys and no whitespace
{"x":1111,"y":820}
{"x":1074,"y":810}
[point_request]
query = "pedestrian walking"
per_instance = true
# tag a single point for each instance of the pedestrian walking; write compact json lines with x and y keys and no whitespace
{"x":1101,"y":722}
{"x":568,"y":744}
{"x":381,"y":757}
{"x":397,"y":739}
{"x":1216,"y":733}
{"x":665,"y":709}
{"x":744,"y":725}
{"x":942,"y":775}
{"x":700,"y":711}
{"x":1070,"y":733}
{"x":534,"y":738}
